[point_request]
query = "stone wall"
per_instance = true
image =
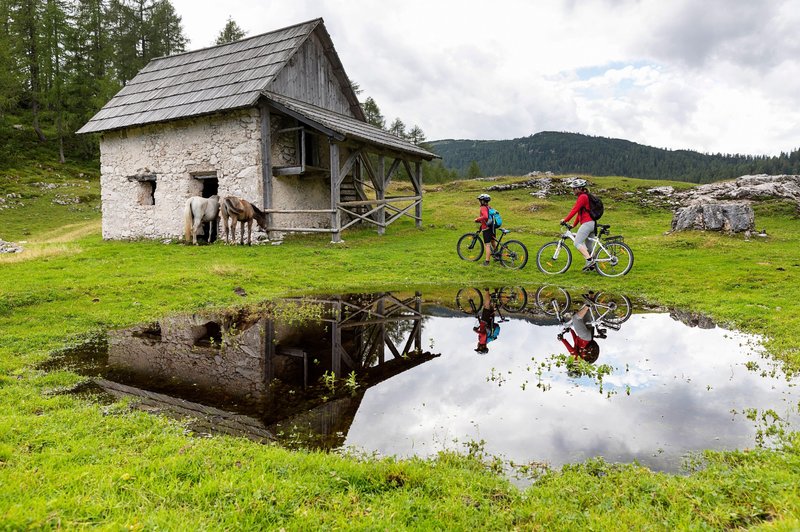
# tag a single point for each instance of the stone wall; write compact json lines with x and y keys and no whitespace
{"x":228,"y":145}
{"x":225,"y":144}
{"x":181,"y":356}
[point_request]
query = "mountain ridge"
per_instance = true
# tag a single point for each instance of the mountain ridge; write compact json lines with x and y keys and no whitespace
{"x":564,"y":152}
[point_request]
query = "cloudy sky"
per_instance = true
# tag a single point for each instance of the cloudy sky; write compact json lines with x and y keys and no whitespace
{"x":708,"y":75}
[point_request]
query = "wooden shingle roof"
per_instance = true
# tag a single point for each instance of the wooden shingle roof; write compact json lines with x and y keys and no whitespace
{"x":344,"y":127}
{"x":219,"y":78}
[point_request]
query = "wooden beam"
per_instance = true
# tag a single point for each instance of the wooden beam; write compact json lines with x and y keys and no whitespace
{"x":266,"y":161}
{"x":416,"y":178}
{"x":348,"y":165}
{"x":380,"y":187}
{"x":336,"y":217}
{"x":305,"y":120}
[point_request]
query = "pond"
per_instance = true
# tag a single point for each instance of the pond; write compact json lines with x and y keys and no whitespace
{"x":534,"y":376}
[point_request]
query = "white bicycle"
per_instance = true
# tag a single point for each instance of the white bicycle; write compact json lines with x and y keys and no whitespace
{"x":612,"y":256}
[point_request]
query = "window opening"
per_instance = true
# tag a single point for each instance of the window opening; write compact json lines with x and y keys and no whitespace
{"x":147,"y":188}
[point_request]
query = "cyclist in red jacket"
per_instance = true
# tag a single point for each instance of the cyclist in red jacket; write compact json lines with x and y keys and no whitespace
{"x":583,"y":343}
{"x":581,"y":213}
{"x":488,"y":230}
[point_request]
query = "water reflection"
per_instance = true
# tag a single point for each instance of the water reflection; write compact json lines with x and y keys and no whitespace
{"x":353,"y":370}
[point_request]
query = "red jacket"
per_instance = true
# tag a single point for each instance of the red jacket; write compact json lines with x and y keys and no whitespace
{"x":581,"y":208}
{"x":579,"y":344}
{"x":484,"y":217}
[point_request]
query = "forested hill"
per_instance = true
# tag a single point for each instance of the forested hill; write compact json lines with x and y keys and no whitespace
{"x":574,"y":153}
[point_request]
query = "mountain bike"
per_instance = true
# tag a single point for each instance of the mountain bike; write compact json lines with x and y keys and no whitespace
{"x":612,"y":256}
{"x":606,"y":310}
{"x":508,"y":298}
{"x":511,"y":253}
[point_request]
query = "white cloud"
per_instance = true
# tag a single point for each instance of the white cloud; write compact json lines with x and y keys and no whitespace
{"x":716,"y":76}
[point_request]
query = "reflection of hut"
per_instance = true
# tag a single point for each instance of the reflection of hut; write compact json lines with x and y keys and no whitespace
{"x":253,"y":375}
{"x":272,"y":118}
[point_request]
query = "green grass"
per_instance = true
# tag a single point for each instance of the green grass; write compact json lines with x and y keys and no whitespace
{"x":66,"y":462}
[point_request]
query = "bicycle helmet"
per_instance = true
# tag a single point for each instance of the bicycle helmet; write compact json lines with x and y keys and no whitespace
{"x":485,"y":197}
{"x":578,"y":183}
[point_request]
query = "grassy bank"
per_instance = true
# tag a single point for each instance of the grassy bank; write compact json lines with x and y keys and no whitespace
{"x":67,"y":462}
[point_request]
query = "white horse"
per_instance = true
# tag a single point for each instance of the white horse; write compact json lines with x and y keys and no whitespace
{"x":197,"y":211}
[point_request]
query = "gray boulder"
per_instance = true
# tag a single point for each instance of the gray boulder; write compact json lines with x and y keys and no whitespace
{"x":706,"y":215}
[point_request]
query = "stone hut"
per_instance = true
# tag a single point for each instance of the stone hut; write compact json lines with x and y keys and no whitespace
{"x":272,"y":119}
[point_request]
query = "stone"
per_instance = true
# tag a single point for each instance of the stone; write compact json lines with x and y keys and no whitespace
{"x":10,"y":247}
{"x":748,"y":187}
{"x":732,"y":217}
{"x":661,"y":191}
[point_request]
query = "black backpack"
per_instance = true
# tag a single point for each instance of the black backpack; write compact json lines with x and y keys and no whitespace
{"x":595,"y":207}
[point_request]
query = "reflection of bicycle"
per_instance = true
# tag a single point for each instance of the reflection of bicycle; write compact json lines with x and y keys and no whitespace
{"x":613,"y":258}
{"x":508,"y":298}
{"x":511,"y":254}
{"x":605,"y":309}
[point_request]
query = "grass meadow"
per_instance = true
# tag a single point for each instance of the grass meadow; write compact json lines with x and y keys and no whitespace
{"x":66,"y":462}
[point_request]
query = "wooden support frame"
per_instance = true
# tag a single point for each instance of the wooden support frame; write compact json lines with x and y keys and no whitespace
{"x":382,"y":211}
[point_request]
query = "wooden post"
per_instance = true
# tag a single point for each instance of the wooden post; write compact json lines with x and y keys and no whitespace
{"x":380,"y":192}
{"x":336,"y":341}
{"x":418,"y":309}
{"x":417,"y":178}
{"x":266,"y":162}
{"x":336,"y":217}
{"x":382,"y":329}
{"x":268,"y":348}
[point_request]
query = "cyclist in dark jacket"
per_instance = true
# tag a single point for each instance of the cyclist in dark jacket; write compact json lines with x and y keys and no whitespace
{"x":488,"y":229}
{"x":486,"y":324}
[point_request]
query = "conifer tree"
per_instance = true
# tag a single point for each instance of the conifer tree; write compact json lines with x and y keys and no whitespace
{"x":230,"y":33}
{"x":398,"y":128}
{"x":373,"y":113}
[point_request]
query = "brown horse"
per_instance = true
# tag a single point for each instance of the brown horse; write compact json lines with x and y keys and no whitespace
{"x":236,"y":209}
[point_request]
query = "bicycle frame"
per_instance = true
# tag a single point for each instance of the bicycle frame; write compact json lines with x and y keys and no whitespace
{"x":594,"y":240}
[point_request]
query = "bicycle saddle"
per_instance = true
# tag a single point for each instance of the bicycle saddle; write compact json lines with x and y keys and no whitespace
{"x":504,"y":231}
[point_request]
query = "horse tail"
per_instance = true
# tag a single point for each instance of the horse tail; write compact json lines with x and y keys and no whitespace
{"x":187,"y":220}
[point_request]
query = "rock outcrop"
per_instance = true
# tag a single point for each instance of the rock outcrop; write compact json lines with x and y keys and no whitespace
{"x":731,"y":217}
{"x":726,"y":206}
{"x":748,"y":187}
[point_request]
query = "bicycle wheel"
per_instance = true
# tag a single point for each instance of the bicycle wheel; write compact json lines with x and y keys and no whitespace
{"x":553,"y":300}
{"x":514,"y":255}
{"x":615,"y":261}
{"x":554,"y":258}
{"x":470,"y":247}
{"x":613,"y":308}
{"x":513,"y":298}
{"x":469,"y":300}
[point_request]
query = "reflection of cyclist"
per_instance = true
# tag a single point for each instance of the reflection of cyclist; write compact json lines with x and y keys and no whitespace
{"x":581,"y":211}
{"x":488,"y":230}
{"x":487,"y":329}
{"x":583,"y":344}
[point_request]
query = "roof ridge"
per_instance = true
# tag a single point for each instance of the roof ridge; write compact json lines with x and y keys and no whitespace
{"x":315,"y":21}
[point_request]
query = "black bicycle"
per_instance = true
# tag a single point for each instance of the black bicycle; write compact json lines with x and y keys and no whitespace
{"x":508,"y":298}
{"x":511,"y":253}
